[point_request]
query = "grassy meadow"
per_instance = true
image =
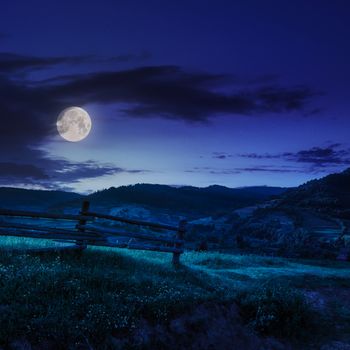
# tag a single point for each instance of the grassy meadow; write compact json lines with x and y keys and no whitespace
{"x":101,"y":291}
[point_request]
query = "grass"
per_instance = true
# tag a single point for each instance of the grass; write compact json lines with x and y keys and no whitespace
{"x":104,"y":291}
{"x":279,"y":310}
{"x":26,"y":243}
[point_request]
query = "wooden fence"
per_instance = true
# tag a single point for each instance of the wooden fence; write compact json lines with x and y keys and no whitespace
{"x":90,"y":231}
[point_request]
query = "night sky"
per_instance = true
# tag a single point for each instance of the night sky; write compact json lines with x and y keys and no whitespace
{"x":235,"y":93}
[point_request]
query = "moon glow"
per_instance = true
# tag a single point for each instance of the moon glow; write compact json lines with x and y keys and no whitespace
{"x":73,"y":124}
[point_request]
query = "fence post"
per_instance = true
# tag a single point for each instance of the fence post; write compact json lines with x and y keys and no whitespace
{"x":180,"y":235}
{"x":84,"y":209}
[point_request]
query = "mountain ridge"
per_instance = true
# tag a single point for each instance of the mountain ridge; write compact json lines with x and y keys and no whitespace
{"x":186,"y":198}
{"x":12,"y":197}
{"x":331,"y":192}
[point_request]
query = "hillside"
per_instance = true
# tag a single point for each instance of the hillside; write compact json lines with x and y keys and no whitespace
{"x":209,"y":200}
{"x":331,"y":193}
{"x":119,"y":299}
{"x":27,"y":199}
{"x":311,"y":221}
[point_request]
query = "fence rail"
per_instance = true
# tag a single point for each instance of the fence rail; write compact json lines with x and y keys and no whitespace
{"x":35,"y":214}
{"x":84,"y":233}
{"x":132,"y":222}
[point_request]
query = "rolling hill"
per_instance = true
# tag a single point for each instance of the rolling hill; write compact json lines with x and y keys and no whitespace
{"x":33,"y":199}
{"x":330,"y":193}
{"x":208,"y":200}
{"x":186,"y":199}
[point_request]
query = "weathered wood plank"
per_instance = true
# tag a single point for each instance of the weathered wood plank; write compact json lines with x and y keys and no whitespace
{"x":180,"y":236}
{"x":72,"y":232}
{"x":108,"y":244}
{"x":74,"y":247}
{"x":33,"y":214}
{"x":131,"y":221}
{"x":139,"y":246}
{"x":45,"y":235}
{"x":81,"y":223}
{"x":94,"y":235}
{"x":111,"y":232}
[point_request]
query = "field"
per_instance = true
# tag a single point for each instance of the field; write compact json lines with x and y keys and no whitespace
{"x":103,"y":294}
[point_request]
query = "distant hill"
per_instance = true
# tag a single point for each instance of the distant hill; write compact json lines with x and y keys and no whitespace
{"x":331,"y":192}
{"x":208,"y":200}
{"x":211,"y":199}
{"x":26,"y":199}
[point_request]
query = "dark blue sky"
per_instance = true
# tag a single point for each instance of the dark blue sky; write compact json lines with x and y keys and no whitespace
{"x":179,"y":92}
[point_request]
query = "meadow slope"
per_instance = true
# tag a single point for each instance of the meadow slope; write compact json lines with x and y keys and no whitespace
{"x":106,"y":298}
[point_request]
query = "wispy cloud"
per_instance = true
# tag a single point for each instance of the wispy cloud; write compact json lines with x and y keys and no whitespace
{"x":221,"y":155}
{"x":316,"y":157}
{"x":170,"y":92}
{"x":248,"y":169}
{"x":15,"y":63}
{"x":28,"y":109}
{"x":56,"y":173}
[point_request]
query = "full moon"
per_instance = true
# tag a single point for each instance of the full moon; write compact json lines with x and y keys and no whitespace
{"x":73,"y":124}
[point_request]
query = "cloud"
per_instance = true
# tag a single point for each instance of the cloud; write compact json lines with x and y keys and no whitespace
{"x":331,"y":157}
{"x":28,"y":109}
{"x":70,"y":172}
{"x":221,"y":155}
{"x":270,"y":169}
{"x":322,"y":156}
{"x":13,"y":170}
{"x":317,"y":158}
{"x":15,"y":63}
{"x":130,"y":57}
{"x":250,"y":169}
{"x":261,"y":155}
{"x":56,"y":172}
{"x":170,"y":92}
{"x":10,"y":63}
